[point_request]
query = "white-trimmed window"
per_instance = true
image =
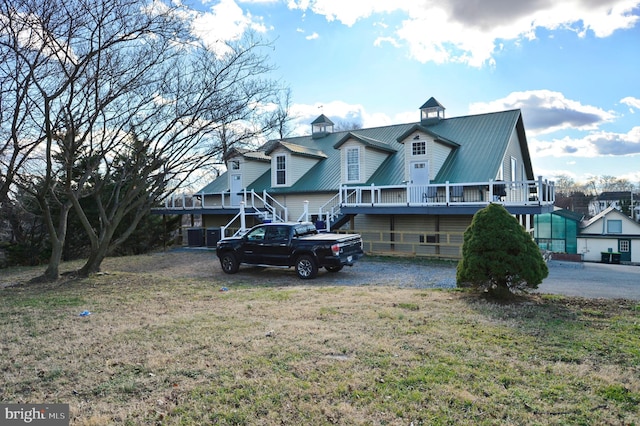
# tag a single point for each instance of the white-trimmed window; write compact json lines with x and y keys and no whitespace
{"x":614,"y":226}
{"x":235,"y":165}
{"x":514,"y":169}
{"x":353,"y":164}
{"x":281,"y":169}
{"x":419,"y":148}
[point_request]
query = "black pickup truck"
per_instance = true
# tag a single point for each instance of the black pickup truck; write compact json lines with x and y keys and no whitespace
{"x":289,"y":244}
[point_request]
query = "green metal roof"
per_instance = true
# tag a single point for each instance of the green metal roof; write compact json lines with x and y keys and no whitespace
{"x":322,"y":119}
{"x":297,"y":149}
{"x":479,"y":143}
{"x":432,"y":103}
{"x":483,"y":141}
{"x":373,"y":143}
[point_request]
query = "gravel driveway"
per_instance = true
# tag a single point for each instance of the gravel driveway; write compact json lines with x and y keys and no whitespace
{"x":590,"y":280}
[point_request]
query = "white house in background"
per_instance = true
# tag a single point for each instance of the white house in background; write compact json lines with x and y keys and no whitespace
{"x":610,"y":231}
{"x":617,"y":199}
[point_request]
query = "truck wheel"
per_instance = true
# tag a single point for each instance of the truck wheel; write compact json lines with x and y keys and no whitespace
{"x":306,"y":267}
{"x":229,"y":263}
{"x":334,"y":268}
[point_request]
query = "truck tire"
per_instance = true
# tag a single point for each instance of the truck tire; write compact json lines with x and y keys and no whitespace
{"x":229,"y":263}
{"x":306,"y":267}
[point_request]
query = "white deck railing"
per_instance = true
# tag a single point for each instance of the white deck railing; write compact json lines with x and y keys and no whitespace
{"x":514,"y":193}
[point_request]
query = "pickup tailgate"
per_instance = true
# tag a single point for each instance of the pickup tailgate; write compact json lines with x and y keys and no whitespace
{"x":350,"y":244}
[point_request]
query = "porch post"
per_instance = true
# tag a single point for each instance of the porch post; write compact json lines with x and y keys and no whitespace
{"x":373,"y":195}
{"x":491,"y":198}
{"x":542,"y":196}
{"x":306,"y":210}
{"x":243,"y":221}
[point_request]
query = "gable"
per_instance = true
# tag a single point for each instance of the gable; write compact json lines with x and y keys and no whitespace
{"x":600,"y":224}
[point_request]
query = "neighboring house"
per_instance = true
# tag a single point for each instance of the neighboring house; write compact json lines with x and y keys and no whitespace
{"x":610,"y":231}
{"x":409,"y":189}
{"x":621,"y":200}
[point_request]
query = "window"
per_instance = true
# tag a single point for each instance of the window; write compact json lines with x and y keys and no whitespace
{"x":614,"y":226}
{"x":235,"y":165}
{"x":624,"y":246}
{"x":353,"y":165}
{"x":281,"y":170}
{"x":419,"y":148}
{"x":514,"y":169}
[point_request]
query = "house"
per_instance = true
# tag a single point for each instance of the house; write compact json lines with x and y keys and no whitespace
{"x":625,"y":201}
{"x":611,"y":231}
{"x":409,"y":189}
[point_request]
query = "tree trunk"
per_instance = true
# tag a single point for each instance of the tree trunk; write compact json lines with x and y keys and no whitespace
{"x":57,"y":235}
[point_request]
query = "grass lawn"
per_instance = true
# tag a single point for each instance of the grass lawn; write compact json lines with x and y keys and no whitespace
{"x":171,"y":348}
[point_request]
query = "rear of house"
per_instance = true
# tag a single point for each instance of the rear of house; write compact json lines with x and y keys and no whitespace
{"x":408,"y":189}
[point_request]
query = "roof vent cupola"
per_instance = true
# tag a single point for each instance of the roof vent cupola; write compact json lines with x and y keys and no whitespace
{"x":321,"y":127}
{"x":431,"y":112}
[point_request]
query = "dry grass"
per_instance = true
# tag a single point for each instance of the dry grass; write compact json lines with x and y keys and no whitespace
{"x":164,"y":345}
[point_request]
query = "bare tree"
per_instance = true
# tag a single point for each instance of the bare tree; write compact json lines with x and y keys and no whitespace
{"x":130,"y":106}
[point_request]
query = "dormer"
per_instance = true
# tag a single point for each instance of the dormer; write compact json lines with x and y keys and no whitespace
{"x":245,"y":166}
{"x":321,"y":127}
{"x":289,"y":162}
{"x":360,"y":157}
{"x":431,"y":112}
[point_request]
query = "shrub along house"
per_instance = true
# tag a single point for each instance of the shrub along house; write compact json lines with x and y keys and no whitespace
{"x":409,"y":189}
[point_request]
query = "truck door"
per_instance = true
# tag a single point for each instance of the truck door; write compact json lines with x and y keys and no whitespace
{"x":275,"y":249}
{"x":252,"y":247}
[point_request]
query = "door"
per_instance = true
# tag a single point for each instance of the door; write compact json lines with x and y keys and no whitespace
{"x":419,"y":181}
{"x":624,"y":247}
{"x":275,"y":249}
{"x":236,"y":189}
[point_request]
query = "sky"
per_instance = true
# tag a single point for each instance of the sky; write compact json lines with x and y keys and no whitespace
{"x":571,"y":66}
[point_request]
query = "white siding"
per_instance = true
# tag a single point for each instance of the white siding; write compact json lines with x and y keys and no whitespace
{"x":599,"y":227}
{"x":372,"y":160}
{"x":296,"y":166}
{"x":513,"y":151}
{"x":250,"y":170}
{"x":436,"y":154}
{"x":295,"y":203}
{"x":591,"y":248}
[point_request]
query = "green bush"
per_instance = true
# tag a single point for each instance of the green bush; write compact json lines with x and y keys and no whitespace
{"x":499,"y":256}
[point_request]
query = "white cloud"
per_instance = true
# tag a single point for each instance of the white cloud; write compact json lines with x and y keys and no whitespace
{"x":313,"y":36}
{"x":469,"y":32}
{"x":546,"y":111}
{"x":226,"y":21}
{"x":633,"y":103}
{"x":348,"y":12}
{"x":594,"y":144}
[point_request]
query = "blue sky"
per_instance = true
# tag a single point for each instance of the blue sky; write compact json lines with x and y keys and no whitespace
{"x":571,"y":66}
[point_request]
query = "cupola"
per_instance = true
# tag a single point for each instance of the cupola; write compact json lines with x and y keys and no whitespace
{"x":321,"y":126}
{"x":431,"y":112}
